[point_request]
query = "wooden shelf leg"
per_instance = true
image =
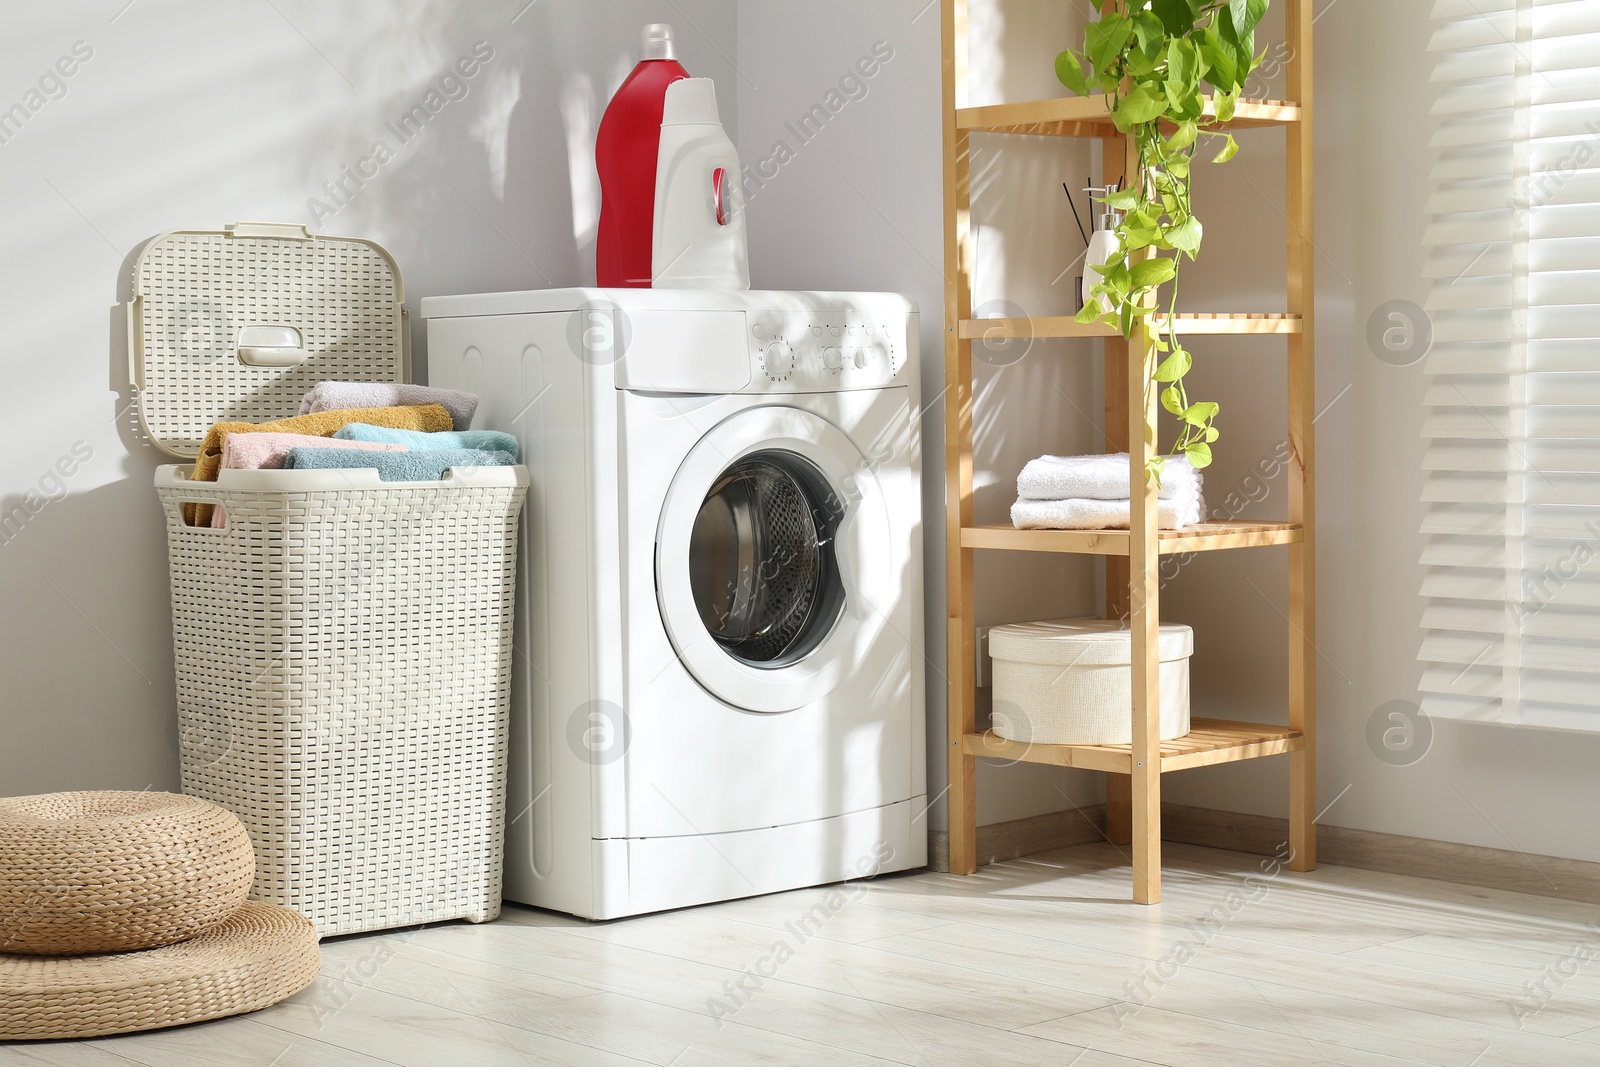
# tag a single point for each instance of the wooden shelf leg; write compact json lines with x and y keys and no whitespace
{"x":1144,"y":563}
{"x":1117,"y":160}
{"x":1302,"y":485}
{"x":960,"y":634}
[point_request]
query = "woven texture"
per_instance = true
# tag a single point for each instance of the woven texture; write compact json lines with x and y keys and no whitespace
{"x":115,"y":872}
{"x":196,"y":292}
{"x":343,"y":666}
{"x":1069,"y":682}
{"x":258,"y":956}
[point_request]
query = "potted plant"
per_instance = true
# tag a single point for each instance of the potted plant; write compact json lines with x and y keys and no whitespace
{"x":1153,"y":60}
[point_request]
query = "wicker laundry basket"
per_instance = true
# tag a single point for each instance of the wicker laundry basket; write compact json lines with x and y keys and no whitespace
{"x":1069,"y":682}
{"x":343,"y":645}
{"x":343,"y":668}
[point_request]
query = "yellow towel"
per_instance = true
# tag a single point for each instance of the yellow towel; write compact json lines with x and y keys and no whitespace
{"x":429,"y":418}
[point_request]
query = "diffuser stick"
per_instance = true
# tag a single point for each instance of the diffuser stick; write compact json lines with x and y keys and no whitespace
{"x":1075,"y":216}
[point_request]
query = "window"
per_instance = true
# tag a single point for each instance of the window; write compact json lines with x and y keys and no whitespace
{"x":1512,"y":587}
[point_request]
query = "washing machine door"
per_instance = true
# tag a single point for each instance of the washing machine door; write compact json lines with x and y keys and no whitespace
{"x":772,"y":550}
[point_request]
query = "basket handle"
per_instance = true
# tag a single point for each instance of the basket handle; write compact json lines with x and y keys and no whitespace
{"x":271,"y":346}
{"x":286,"y":231}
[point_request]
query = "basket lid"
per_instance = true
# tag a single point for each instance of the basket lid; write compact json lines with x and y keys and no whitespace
{"x":1082,"y":642}
{"x":240,"y":323}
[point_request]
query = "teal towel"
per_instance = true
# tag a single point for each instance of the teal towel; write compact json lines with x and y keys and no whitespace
{"x":397,"y":466}
{"x":487,"y":440}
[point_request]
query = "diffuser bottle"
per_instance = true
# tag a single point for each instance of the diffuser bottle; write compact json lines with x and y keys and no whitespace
{"x":1103,"y":246}
{"x":625,"y":155}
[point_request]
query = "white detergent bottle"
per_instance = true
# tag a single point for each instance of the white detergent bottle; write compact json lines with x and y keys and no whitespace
{"x":699,"y":225}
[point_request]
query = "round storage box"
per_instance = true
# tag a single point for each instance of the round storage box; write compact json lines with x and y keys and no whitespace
{"x":1069,"y":682}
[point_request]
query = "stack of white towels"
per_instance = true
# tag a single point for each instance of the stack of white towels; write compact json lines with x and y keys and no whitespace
{"x":1091,"y":493}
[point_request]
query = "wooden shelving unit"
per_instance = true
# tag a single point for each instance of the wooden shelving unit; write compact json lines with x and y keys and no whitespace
{"x":1133,"y":772}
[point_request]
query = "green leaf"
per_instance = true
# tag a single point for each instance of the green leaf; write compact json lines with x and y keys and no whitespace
{"x":1182,"y":66}
{"x":1229,"y":150}
{"x":1186,"y":236}
{"x":1174,"y":366}
{"x":1142,"y":237}
{"x":1192,"y":107}
{"x":1222,"y":57}
{"x":1138,"y":107}
{"x":1121,"y":200}
{"x":1177,"y":16}
{"x":1199,"y":454}
{"x":1152,"y":469}
{"x":1150,"y":33}
{"x":1106,"y":40}
{"x":1246,"y":15}
{"x":1069,"y":71}
{"x":1226,"y":103}
{"x":1090,"y":312}
{"x":1153,"y":271}
{"x":1170,"y":400}
{"x":1199,"y":414}
{"x":1212,"y":433}
{"x":1182,"y":137}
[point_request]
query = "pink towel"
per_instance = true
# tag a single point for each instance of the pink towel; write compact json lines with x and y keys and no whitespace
{"x":268,"y":451}
{"x":335,"y":396}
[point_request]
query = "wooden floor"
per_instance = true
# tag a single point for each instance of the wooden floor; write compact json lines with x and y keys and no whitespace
{"x":1036,"y":961}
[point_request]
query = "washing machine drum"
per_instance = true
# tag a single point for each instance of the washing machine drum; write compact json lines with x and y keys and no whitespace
{"x":761,"y":560}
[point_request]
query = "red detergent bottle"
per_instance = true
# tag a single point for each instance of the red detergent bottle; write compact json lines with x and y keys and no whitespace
{"x":625,"y":154}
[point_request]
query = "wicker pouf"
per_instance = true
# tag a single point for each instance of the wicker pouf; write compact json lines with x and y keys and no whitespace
{"x":116,"y":871}
{"x":260,"y":955}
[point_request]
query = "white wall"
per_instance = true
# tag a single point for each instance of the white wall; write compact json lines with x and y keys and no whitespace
{"x":1527,"y":790}
{"x":198,"y":113}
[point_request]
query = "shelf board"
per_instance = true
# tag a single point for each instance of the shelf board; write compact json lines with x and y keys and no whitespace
{"x":1191,"y":324}
{"x":1203,"y":537}
{"x":1209,"y":741}
{"x":1088,"y":116}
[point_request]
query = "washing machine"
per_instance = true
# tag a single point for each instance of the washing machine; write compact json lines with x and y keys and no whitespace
{"x":718,"y":683}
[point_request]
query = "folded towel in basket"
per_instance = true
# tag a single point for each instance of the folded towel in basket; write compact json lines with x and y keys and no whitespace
{"x":484,"y":440}
{"x":267,"y":451}
{"x":427,"y":417}
{"x":1100,"y":477}
{"x":1100,"y":514}
{"x":334,"y":396}
{"x":426,"y":466}
{"x":320,"y":424}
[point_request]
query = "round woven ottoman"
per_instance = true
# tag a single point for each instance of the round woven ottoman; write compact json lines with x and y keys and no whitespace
{"x":115,"y":871}
{"x":256,"y":957}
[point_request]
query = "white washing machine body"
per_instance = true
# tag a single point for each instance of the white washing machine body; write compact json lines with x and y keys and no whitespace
{"x":718,"y":688}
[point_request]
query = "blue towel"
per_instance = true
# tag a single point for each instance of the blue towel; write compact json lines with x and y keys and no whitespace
{"x":426,"y":466}
{"x":487,"y":440}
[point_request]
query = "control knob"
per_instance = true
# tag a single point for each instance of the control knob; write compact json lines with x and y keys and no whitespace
{"x":779,"y":359}
{"x":832,"y":358}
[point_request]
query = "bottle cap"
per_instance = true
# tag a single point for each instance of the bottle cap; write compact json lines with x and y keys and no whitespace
{"x":690,"y":102}
{"x":655,"y":42}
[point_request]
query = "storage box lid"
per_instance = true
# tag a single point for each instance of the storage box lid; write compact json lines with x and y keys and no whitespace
{"x":239,"y":324}
{"x":1081,"y":642}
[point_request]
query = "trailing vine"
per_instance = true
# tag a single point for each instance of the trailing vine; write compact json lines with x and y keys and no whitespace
{"x":1152,"y":59}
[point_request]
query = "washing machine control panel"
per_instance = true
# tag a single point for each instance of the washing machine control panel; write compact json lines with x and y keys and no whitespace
{"x":823,"y":351}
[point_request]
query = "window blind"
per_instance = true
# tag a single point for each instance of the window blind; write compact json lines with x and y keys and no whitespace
{"x":1511,"y":621}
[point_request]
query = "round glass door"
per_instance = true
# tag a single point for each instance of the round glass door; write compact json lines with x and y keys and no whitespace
{"x":772,"y":553}
{"x":762,"y":566}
